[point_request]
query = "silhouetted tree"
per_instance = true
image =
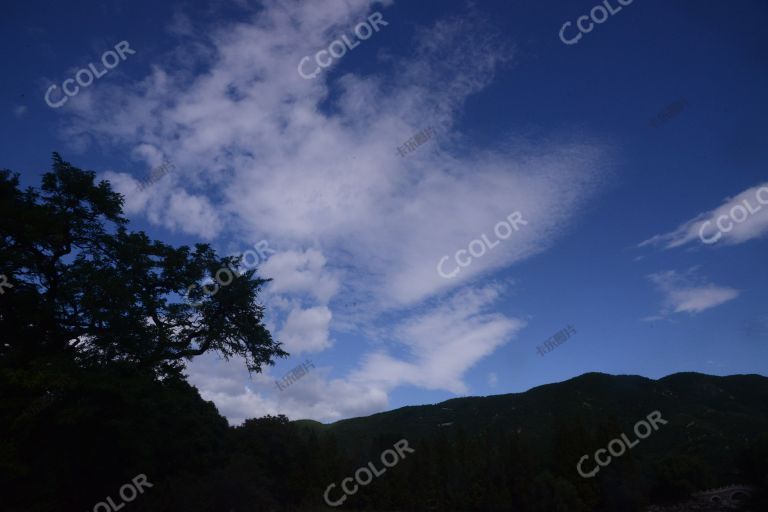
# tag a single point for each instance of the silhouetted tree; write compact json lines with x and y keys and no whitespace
{"x":94,"y":334}
{"x":86,"y":288}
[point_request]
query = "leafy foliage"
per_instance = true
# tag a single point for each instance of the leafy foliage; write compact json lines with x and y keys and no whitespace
{"x":86,"y":288}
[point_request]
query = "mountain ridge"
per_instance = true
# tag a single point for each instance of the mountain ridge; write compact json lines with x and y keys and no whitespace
{"x":727,"y":411}
{"x":541,"y":386}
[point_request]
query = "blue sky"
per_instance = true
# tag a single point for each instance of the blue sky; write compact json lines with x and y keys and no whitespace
{"x":522,"y":123}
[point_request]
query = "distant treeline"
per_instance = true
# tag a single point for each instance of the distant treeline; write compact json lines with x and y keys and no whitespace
{"x":71,"y":437}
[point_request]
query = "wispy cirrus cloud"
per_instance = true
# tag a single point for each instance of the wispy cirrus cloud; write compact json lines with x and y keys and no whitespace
{"x":442,"y":344}
{"x":285,"y":167}
{"x":312,"y":166}
{"x":688,"y":293}
{"x":739,"y":219}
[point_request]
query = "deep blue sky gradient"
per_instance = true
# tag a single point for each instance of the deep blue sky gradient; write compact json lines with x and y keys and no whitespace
{"x":609,"y":85}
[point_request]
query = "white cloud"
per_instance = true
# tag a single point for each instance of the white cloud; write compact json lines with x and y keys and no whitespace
{"x":685,"y":293}
{"x":299,"y":277}
{"x":754,"y":225}
{"x":190,"y":213}
{"x":165,"y":205}
{"x":306,"y":330}
{"x":300,"y":272}
{"x":149,"y":153}
{"x":261,"y":152}
{"x":284,"y":168}
{"x":312,"y":396}
{"x":492,"y":380}
{"x":442,"y":344}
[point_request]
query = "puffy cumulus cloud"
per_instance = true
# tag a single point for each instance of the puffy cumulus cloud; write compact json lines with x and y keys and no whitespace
{"x":175,"y":209}
{"x":228,"y":385}
{"x":313,"y":396}
{"x":299,"y":277}
{"x":306,"y":330}
{"x":217,"y":375}
{"x":686,"y":293}
{"x":239,"y":397}
{"x":149,"y":153}
{"x":190,"y":213}
{"x":738,"y":220}
{"x":238,"y":407}
{"x":300,"y":272}
{"x":442,"y":344}
{"x":135,"y":199}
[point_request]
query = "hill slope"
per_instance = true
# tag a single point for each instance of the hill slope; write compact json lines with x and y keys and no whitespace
{"x":528,"y":444}
{"x":700,"y":408}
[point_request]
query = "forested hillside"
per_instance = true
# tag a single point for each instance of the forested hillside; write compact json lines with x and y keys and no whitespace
{"x":94,"y":395}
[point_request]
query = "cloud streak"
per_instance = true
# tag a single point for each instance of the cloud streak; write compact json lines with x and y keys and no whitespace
{"x":684,"y":293}
{"x":739,"y":219}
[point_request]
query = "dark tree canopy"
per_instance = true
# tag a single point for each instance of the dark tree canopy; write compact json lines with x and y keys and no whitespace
{"x":85,"y":288}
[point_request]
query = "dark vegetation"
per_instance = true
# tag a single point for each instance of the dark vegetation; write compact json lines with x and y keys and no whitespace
{"x":95,"y":332}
